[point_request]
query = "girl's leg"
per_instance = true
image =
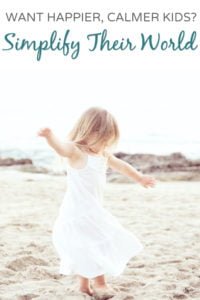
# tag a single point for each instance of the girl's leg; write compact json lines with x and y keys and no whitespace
{"x":100,"y":281}
{"x":85,"y":285}
{"x":101,"y":288}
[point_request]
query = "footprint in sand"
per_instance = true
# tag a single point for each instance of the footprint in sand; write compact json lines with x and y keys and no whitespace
{"x":38,"y":247}
{"x":132,"y":283}
{"x":171,"y":286}
{"x":27,"y":297}
{"x":22,"y":252}
{"x":189,"y":290}
{"x":25,"y":225}
{"x":25,"y":261}
{"x":35,"y":272}
{"x":182,"y":276}
{"x":195,"y":284}
{"x":139,"y":265}
{"x":179,"y":296}
{"x":78,"y":296}
{"x":124,"y":289}
{"x":123,"y":296}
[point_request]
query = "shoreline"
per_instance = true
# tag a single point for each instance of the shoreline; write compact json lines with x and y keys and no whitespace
{"x":173,"y":167}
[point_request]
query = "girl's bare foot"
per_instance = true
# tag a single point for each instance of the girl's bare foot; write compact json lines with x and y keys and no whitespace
{"x":85,"y":285}
{"x":103,"y":292}
{"x":87,"y":290}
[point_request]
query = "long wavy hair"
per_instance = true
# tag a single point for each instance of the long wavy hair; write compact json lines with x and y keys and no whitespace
{"x":95,"y":126}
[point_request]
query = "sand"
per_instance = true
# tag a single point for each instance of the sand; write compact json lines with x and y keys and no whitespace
{"x":165,"y":219}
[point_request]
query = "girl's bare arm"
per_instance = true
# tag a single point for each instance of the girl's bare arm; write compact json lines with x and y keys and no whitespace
{"x":127,"y":170}
{"x":62,"y":148}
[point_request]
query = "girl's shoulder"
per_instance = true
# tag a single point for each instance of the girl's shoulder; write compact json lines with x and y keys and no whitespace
{"x":107,"y":154}
{"x":78,"y":159}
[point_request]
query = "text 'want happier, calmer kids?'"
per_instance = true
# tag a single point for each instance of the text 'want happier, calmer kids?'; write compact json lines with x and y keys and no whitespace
{"x":64,"y":43}
{"x":99,"y":17}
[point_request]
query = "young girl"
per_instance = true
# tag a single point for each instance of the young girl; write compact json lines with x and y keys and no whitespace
{"x":89,"y":240}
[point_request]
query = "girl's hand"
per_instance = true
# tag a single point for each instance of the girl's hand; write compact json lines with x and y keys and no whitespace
{"x":44,"y":132}
{"x":147,"y":181}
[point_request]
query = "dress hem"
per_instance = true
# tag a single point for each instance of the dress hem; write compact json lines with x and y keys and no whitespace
{"x":110,"y":273}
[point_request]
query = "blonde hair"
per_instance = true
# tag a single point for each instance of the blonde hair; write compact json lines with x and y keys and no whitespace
{"x":95,"y":125}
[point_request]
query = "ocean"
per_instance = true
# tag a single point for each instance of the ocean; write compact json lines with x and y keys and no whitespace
{"x":42,"y":155}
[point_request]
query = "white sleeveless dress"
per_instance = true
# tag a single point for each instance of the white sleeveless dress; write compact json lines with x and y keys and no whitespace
{"x":89,"y":240}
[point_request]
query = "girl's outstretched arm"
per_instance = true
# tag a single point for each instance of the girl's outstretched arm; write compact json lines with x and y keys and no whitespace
{"x":126,"y":169}
{"x":62,"y":148}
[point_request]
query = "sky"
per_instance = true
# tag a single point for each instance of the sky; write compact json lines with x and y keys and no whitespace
{"x":148,"y":93}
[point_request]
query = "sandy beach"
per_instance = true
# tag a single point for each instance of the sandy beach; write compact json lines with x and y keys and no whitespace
{"x":165,"y":219}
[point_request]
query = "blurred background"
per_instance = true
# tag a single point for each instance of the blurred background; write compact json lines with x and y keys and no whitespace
{"x":157,"y":110}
